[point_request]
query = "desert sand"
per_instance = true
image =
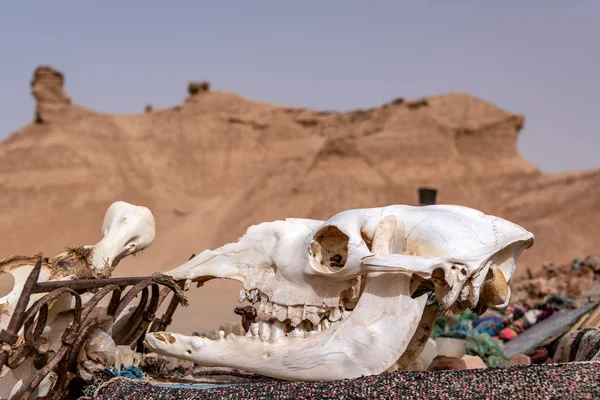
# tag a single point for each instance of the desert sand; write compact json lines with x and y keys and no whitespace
{"x":217,"y":163}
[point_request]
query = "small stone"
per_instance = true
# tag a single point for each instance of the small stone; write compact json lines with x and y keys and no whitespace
{"x":473,"y":362}
{"x":519,"y":359}
{"x":539,"y":356}
{"x":442,"y":363}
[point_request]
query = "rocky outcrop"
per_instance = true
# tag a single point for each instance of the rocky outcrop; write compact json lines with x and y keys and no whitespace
{"x":197,"y":88}
{"x":47,"y":87}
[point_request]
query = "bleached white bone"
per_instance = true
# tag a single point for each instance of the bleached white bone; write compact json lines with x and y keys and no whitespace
{"x":369,"y":254}
{"x":127,"y":229}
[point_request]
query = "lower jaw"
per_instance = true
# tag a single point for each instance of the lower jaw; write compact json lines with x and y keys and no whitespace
{"x":368,"y":342}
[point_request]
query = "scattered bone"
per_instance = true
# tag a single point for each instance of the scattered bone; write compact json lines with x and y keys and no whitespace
{"x":127,"y":229}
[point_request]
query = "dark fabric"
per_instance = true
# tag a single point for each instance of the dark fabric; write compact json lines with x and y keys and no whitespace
{"x":582,"y":345}
{"x":576,"y":343}
{"x":548,"y":381}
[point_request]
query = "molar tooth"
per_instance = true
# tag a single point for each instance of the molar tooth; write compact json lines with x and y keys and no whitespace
{"x":254,"y":329}
{"x":242,"y":296}
{"x":310,"y":310}
{"x":335,"y":314}
{"x":268,"y":308}
{"x":282,"y":314}
{"x":252,"y":295}
{"x":264,"y":331}
{"x":313,"y":318}
{"x":277,"y":331}
{"x":264,"y":299}
{"x":261,"y":309}
{"x":295,"y":314}
{"x":325,"y":324}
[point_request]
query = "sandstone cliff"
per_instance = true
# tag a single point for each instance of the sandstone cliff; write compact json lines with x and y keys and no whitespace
{"x":217,"y":163}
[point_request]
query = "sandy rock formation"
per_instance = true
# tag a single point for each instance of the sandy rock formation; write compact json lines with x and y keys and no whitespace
{"x":51,"y":99}
{"x":218,"y":163}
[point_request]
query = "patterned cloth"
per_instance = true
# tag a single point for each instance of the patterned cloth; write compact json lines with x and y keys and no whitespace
{"x":548,"y":381}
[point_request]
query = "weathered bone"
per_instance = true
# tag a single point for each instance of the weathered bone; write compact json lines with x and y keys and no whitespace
{"x":127,"y":229}
{"x":349,"y":349}
{"x":352,"y":276}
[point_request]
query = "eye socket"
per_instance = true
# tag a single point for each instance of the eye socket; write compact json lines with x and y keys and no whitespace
{"x":330,"y":249}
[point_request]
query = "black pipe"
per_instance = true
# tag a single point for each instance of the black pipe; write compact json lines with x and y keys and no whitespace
{"x":427,"y":196}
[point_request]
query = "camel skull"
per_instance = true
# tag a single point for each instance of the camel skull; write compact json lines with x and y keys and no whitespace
{"x":347,"y":297}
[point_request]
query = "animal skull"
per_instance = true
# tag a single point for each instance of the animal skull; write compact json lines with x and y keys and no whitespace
{"x":349,"y":296}
{"x":127,"y":229}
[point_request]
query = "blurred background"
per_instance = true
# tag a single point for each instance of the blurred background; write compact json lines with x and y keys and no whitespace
{"x":306,"y":109}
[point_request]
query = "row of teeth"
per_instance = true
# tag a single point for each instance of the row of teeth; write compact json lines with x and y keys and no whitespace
{"x":272,"y":332}
{"x":295,"y":314}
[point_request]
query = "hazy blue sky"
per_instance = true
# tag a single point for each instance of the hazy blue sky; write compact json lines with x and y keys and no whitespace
{"x":541,"y":58}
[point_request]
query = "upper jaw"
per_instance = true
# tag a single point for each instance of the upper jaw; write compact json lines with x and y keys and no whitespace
{"x":461,"y":281}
